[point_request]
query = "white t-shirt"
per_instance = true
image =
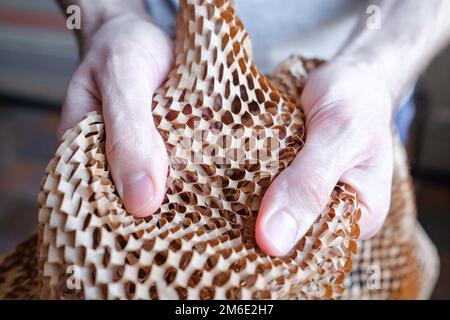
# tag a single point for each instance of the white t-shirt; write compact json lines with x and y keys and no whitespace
{"x":280,"y":28}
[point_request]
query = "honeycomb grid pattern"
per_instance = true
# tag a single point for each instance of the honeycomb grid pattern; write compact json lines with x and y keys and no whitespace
{"x":201,"y":241}
{"x":200,"y":244}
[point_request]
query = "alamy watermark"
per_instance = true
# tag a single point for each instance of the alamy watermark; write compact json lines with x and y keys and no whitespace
{"x":373,"y":21}
{"x":374,"y":279}
{"x":73,"y":281}
{"x":73,"y":21}
{"x":226,"y":146}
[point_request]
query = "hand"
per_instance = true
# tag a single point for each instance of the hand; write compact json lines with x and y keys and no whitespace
{"x":348,"y":109}
{"x":125,"y":60}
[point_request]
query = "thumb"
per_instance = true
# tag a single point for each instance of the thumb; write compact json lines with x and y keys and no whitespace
{"x":296,"y":197}
{"x":134,"y":148}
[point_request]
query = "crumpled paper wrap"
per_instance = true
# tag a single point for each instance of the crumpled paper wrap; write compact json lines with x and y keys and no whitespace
{"x":229,"y":131}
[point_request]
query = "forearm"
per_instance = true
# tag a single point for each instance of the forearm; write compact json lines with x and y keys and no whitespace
{"x":94,"y":13}
{"x":410,"y":35}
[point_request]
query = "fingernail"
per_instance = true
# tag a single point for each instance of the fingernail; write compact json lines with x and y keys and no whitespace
{"x":137,"y":191}
{"x":281,"y":229}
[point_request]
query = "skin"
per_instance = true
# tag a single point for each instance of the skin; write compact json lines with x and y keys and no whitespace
{"x":349,"y":103}
{"x":124,"y":60}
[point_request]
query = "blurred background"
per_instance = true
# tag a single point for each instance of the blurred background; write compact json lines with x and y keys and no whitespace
{"x":37,"y":58}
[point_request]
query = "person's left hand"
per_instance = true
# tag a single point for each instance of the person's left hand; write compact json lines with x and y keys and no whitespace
{"x":348,"y":109}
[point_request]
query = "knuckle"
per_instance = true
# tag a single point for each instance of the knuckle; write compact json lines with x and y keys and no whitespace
{"x":132,"y":139}
{"x":126,"y":51}
{"x":350,"y":119}
{"x":122,"y":59}
{"x":311,"y":192}
{"x":339,"y":120}
{"x":124,"y":146}
{"x":128,"y":62}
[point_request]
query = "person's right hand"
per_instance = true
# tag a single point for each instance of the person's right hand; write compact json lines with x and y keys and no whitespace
{"x":125,"y":59}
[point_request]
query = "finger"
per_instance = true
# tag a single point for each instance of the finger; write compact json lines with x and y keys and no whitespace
{"x":298,"y":195}
{"x":81,"y":97}
{"x":135,"y":150}
{"x":372,"y":183}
